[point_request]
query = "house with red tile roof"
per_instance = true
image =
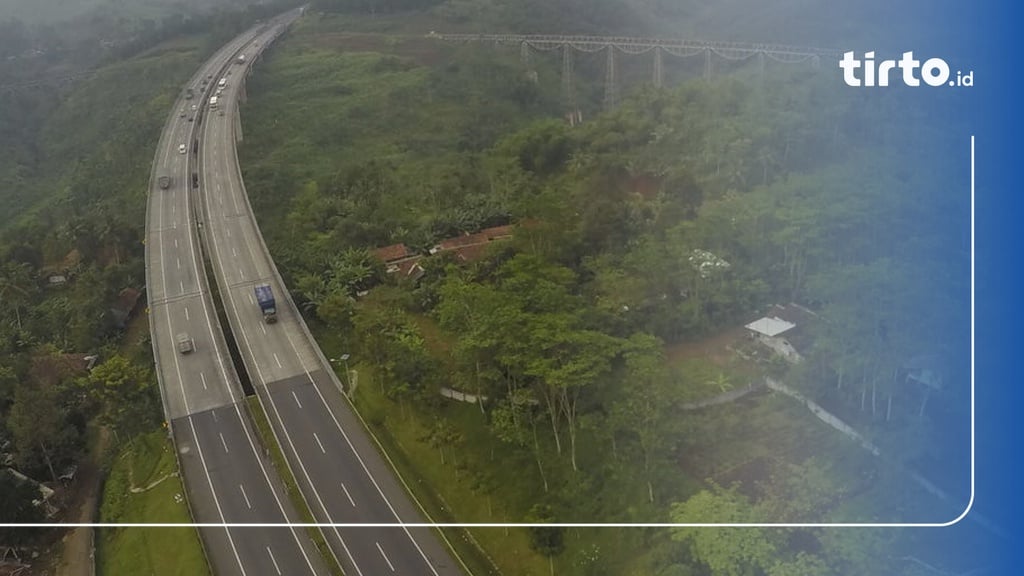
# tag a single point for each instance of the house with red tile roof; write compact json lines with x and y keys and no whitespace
{"x":391,"y":253}
{"x":399,"y":260}
{"x":471,"y":247}
{"x":466,"y":248}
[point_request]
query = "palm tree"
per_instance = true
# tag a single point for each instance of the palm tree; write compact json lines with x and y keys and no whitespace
{"x":351,"y":271}
{"x":722,"y":381}
{"x":313,"y":289}
{"x":580,"y":161}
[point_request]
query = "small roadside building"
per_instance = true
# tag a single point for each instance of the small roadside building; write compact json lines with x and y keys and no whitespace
{"x":125,"y":307}
{"x":470,"y":247}
{"x":399,"y":260}
{"x":49,"y":369}
{"x":784,"y":329}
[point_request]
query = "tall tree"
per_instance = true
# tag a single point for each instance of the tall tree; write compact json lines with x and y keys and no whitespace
{"x":566,"y":361}
{"x":128,"y":394}
{"x":645,"y":407}
{"x":514,"y":421}
{"x":39,"y":422}
{"x":726,"y":551}
{"x":548,"y":541}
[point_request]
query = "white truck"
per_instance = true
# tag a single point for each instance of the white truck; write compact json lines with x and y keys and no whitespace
{"x":213,"y":102}
{"x":222,"y":82}
{"x":240,"y":59}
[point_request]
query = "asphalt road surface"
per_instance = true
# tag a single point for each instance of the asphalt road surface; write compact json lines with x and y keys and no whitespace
{"x":342,"y":476}
{"x":227,"y":476}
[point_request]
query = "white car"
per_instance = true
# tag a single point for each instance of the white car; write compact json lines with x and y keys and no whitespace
{"x":182,"y":149}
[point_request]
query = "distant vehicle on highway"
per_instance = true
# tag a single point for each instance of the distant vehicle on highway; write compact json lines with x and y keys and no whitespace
{"x":213,"y":103}
{"x":241,"y":59}
{"x":185,"y":344}
{"x":222,"y":82}
{"x":182,"y":149}
{"x":265,"y":297}
{"x":189,"y":94}
{"x":182,"y":115}
{"x":194,"y":107}
{"x":164,"y":182}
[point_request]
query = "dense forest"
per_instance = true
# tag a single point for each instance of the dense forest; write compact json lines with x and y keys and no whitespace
{"x":600,"y":251}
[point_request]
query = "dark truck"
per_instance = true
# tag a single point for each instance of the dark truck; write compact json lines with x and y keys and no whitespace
{"x":164,"y":182}
{"x":265,"y":298}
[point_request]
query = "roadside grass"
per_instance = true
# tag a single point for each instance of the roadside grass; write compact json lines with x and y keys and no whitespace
{"x":157,"y":551}
{"x":700,"y":379}
{"x":267,"y":439}
{"x":437,"y":486}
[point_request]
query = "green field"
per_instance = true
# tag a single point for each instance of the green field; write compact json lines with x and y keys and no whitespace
{"x":148,"y":464}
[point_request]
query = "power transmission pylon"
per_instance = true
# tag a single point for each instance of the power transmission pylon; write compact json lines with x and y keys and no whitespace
{"x":659,"y":71}
{"x":610,"y":92}
{"x":568,"y":90}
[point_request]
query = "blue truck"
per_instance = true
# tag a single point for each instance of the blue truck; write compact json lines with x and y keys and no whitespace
{"x":265,"y":298}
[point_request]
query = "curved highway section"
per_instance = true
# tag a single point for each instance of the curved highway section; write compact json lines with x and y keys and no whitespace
{"x":227,"y":476}
{"x":340,"y":472}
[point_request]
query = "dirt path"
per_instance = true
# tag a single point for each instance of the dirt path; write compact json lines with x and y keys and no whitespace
{"x":723,"y":398}
{"x":714,"y":348}
{"x":77,"y":558}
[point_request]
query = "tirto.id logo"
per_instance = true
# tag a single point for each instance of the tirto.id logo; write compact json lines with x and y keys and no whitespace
{"x":933,"y":72}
